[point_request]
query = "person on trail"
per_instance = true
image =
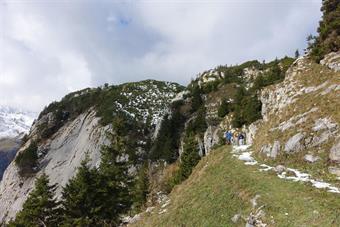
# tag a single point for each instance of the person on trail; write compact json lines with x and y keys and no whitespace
{"x":229,"y":135}
{"x":241,"y":139}
{"x":236,"y":139}
{"x":232,"y":141}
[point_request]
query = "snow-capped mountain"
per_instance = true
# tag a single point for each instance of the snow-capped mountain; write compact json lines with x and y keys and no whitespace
{"x":14,"y":122}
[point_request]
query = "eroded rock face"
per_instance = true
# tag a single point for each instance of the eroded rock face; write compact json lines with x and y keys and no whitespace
{"x":271,"y":150}
{"x":64,"y":152}
{"x":211,"y":138}
{"x":295,"y":143}
{"x":275,"y":99}
{"x":332,"y":61}
{"x":334,"y":154}
{"x":251,"y":132}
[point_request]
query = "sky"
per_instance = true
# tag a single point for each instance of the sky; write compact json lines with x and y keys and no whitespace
{"x":49,"y":48}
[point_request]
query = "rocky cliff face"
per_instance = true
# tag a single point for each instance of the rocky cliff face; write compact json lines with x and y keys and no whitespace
{"x":301,"y":118}
{"x":60,"y":156}
{"x":79,"y":135}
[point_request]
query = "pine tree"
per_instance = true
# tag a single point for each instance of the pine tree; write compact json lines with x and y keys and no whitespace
{"x":115,"y":182}
{"x":80,"y":197}
{"x":197,"y":101}
{"x":141,"y":187}
{"x":189,"y":157}
{"x":328,"y":38}
{"x":40,"y":208}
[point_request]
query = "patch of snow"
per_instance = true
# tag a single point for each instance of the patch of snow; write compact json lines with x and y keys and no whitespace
{"x":243,"y":153}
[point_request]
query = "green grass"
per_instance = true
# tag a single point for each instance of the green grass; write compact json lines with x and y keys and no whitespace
{"x":222,"y":186}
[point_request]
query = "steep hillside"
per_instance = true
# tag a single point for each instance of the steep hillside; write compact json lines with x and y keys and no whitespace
{"x":67,"y":131}
{"x":302,"y":118}
{"x":222,"y":191}
{"x":296,"y":138}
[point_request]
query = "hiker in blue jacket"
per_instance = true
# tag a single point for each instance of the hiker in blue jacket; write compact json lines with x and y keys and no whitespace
{"x":228,"y":136}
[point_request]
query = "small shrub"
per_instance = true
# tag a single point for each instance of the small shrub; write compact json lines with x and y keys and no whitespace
{"x":27,"y":160}
{"x":224,"y":109}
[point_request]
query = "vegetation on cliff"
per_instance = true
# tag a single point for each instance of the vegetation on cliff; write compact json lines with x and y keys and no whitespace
{"x":328,"y":39}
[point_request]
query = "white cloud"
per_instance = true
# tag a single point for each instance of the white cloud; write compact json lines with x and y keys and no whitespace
{"x":49,"y":48}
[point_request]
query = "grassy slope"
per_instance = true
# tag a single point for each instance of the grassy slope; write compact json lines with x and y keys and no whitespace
{"x":222,"y":186}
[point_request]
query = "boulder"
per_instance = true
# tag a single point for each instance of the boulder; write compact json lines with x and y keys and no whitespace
{"x":276,"y":149}
{"x":310,"y":158}
{"x":271,"y":150}
{"x":251,"y":132}
{"x":294,"y":143}
{"x":334,"y":154}
{"x":334,"y":170}
{"x":324,"y":123}
{"x":280,"y":168}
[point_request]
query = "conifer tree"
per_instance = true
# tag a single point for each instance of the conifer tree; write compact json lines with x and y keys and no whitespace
{"x":328,"y":38}
{"x":40,"y":208}
{"x":115,"y":182}
{"x":141,"y":187}
{"x":196,"y":98}
{"x":189,"y":157}
{"x":80,"y":197}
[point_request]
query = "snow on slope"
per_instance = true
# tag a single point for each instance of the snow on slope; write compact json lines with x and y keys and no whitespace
{"x":14,"y":122}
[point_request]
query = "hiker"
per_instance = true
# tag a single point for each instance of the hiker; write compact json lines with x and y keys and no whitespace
{"x":236,"y":139}
{"x":229,"y":136}
{"x":226,"y":135}
{"x":241,"y":139}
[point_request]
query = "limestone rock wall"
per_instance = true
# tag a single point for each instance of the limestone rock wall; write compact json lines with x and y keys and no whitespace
{"x":60,"y":156}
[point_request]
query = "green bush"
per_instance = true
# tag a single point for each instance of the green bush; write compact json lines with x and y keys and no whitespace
{"x":27,"y":160}
{"x":166,"y":144}
{"x":189,"y":160}
{"x":247,"y":108}
{"x":224,"y":109}
{"x":199,"y":124}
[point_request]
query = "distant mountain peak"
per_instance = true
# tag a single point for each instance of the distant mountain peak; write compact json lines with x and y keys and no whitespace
{"x":14,"y":121}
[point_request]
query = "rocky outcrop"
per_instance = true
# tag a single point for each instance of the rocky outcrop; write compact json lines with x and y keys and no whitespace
{"x":295,"y":143}
{"x":271,"y":150}
{"x":311,"y":158}
{"x":61,"y":155}
{"x":332,"y":61}
{"x":334,"y":154}
{"x":211,"y":138}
